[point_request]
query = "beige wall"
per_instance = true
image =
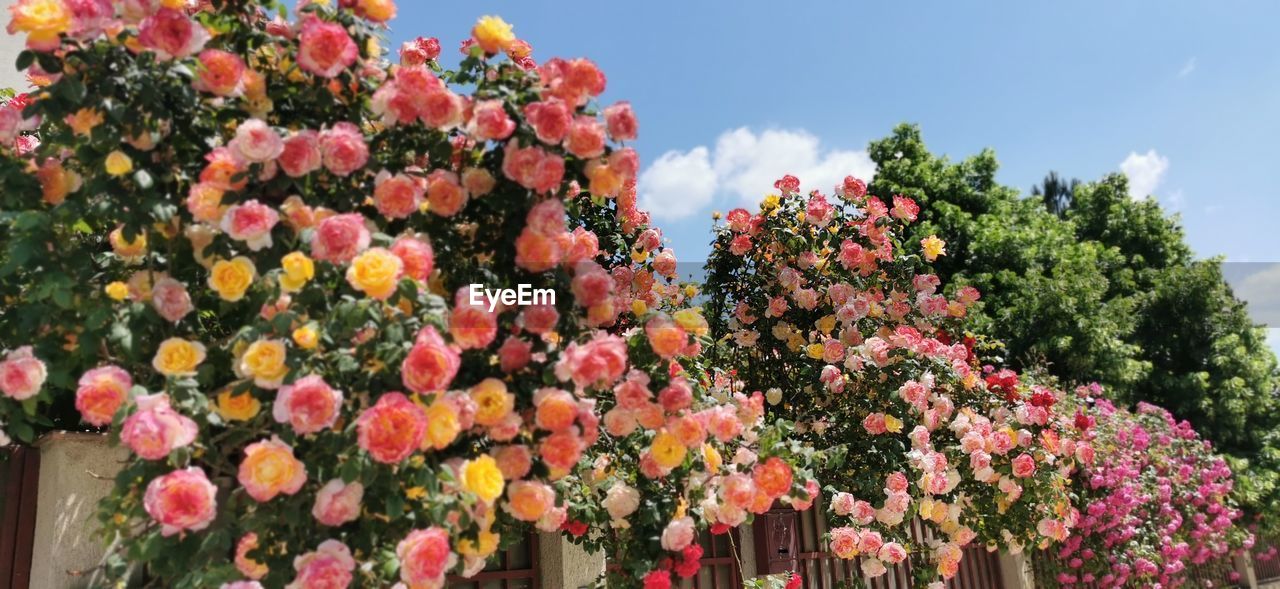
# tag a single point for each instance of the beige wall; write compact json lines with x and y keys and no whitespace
{"x":75,"y":472}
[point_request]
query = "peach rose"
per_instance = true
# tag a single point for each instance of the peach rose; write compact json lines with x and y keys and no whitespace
{"x":101,"y":392}
{"x":532,"y":167}
{"x":244,"y":563}
{"x":415,"y":255}
{"x":250,"y":222}
{"x":514,"y":461}
{"x":396,"y":197}
{"x":338,"y":503}
{"x":514,"y":354}
{"x":528,"y":501}
{"x":309,"y":405}
{"x":472,"y":327}
{"x":556,"y":410}
{"x":537,"y":252}
{"x":586,"y":137}
{"x":773,"y":477}
{"x":665,"y":336}
{"x":550,"y":120}
{"x":489,"y":120}
{"x":561,"y":450}
{"x":343,"y":149}
{"x":425,"y":557}
{"x":300,"y":154}
{"x":325,"y":49}
{"x":156,"y":429}
{"x":392,"y":428}
{"x":329,"y":566}
{"x":431,"y":364}
{"x":204,"y":202}
{"x":339,"y":238}
{"x":599,"y":362}
{"x":220,"y":72}
{"x":183,"y":500}
{"x":445,"y":194}
{"x":621,"y":121}
{"x":539,"y":319}
{"x":269,"y":469}
{"x":375,"y":272}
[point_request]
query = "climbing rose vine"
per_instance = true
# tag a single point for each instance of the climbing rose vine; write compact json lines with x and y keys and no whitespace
{"x":249,"y":245}
{"x":819,"y":302}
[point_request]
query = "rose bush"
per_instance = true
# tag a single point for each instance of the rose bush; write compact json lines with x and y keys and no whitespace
{"x":247,"y":243}
{"x":819,"y":302}
{"x":1156,"y":501}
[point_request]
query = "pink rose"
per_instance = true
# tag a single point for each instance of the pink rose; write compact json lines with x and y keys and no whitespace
{"x":425,"y":556}
{"x":325,"y":49}
{"x":678,"y":534}
{"x":539,"y":319}
{"x":309,"y":405}
{"x":220,"y":73}
{"x":300,"y":154}
{"x":441,"y":108}
{"x":21,"y":374}
{"x":445,"y":194}
{"x":843,"y":503}
{"x":171,"y":34}
{"x":257,"y":142}
{"x":586,"y":137}
{"x":896,"y":482}
{"x":472,"y":327}
{"x":599,"y":362}
{"x":392,"y":429}
{"x":591,"y":284}
{"x":101,"y":392}
{"x":532,"y":167}
{"x":338,"y":503}
{"x":844,"y":542}
{"x":156,"y":429}
{"x":550,"y":120}
{"x":621,"y":121}
{"x":183,"y":500}
{"x":1024,"y":466}
{"x":338,"y":239}
{"x":489,"y":120}
{"x":431,"y":364}
{"x":514,"y":354}
{"x":514,"y":461}
{"x":892,"y":553}
{"x":547,"y":218}
{"x":330,"y":566}
{"x":250,"y":222}
{"x":396,"y":196}
{"x":171,"y":299}
{"x":343,"y":149}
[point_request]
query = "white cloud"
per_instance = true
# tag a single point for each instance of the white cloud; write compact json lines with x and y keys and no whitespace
{"x":744,"y":167}
{"x":1145,"y":171}
{"x":1187,"y":68}
{"x":678,"y":184}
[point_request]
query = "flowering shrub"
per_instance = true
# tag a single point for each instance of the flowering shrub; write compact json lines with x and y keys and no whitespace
{"x":1155,"y":501}
{"x":248,"y":246}
{"x":823,"y":306}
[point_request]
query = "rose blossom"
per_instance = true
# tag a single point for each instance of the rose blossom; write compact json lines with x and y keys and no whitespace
{"x":156,"y":429}
{"x":250,"y":222}
{"x":257,"y":142}
{"x":181,"y":500}
{"x":100,"y":393}
{"x":343,"y":149}
{"x":338,"y":503}
{"x":21,"y":374}
{"x":300,"y":154}
{"x":338,"y":239}
{"x":309,"y":405}
{"x":431,"y":364}
{"x":392,"y":428}
{"x":678,"y":534}
{"x":325,"y":49}
{"x":329,"y":566}
{"x":425,"y":556}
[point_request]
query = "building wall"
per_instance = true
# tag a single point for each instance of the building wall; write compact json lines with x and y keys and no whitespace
{"x":10,"y":46}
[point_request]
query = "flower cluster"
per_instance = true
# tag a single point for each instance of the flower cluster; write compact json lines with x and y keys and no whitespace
{"x":820,"y":304}
{"x":1156,"y":501}
{"x":268,"y":238}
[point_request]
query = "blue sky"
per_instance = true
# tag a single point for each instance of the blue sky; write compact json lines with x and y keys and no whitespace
{"x":1187,"y":92}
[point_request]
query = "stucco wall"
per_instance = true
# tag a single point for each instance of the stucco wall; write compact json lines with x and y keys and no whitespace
{"x":566,"y":565}
{"x":69,"y":492}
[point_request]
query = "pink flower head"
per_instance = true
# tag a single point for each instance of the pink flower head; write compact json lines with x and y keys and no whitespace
{"x":490,"y":121}
{"x":599,"y":362}
{"x":101,"y":392}
{"x":250,"y":222}
{"x":621,"y":121}
{"x":392,"y":429}
{"x":343,"y":149}
{"x":329,"y":566}
{"x":431,"y":364}
{"x":532,"y":167}
{"x":415,"y":255}
{"x":445,"y":193}
{"x":220,"y":73}
{"x":338,"y":239}
{"x":21,"y":374}
{"x":156,"y":429}
{"x":256,"y":142}
{"x":586,"y":137}
{"x":300,"y":154}
{"x":171,"y":299}
{"x":396,"y":196}
{"x":324,"y":48}
{"x":678,"y":534}
{"x":183,"y":500}
{"x":425,"y":556}
{"x":171,"y":34}
{"x":309,"y":405}
{"x":338,"y":503}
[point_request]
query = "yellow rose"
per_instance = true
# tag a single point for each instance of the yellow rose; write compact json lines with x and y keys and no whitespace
{"x":667,"y":450}
{"x":769,"y":203}
{"x":306,"y":337}
{"x":118,"y":163}
{"x":639,"y":308}
{"x":692,"y":321}
{"x":178,"y":357}
{"x":375,"y":272}
{"x":264,"y":360}
{"x":117,"y":290}
{"x":933,"y":247}
{"x":482,"y":478}
{"x":493,"y":402}
{"x":41,"y":20}
{"x":827,"y":323}
{"x":442,"y":426}
{"x":815,"y":351}
{"x":639,"y":256}
{"x":231,"y":278}
{"x":712,"y":458}
{"x":130,"y":251}
{"x":242,"y":407}
{"x":493,"y":34}
{"x":378,"y":10}
{"x":298,"y":270}
{"x":486,"y":543}
{"x":892,"y":424}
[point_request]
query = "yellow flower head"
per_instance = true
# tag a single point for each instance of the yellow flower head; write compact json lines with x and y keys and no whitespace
{"x":231,"y":278}
{"x":305,"y":337}
{"x":826,"y":324}
{"x":443,"y":426}
{"x":892,"y":424}
{"x":233,"y":407}
{"x":178,"y":357}
{"x":493,"y":402}
{"x":639,"y":307}
{"x":375,"y":272}
{"x":482,"y":478}
{"x":667,"y":450}
{"x":84,"y":120}
{"x":117,"y":290}
{"x":933,"y":247}
{"x":264,"y":361}
{"x":712,"y":458}
{"x":815,"y":351}
{"x":692,"y":321}
{"x":493,"y":34}
{"x":769,"y":203}
{"x":41,"y":20}
{"x":486,"y":543}
{"x":298,"y":270}
{"x":118,"y":163}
